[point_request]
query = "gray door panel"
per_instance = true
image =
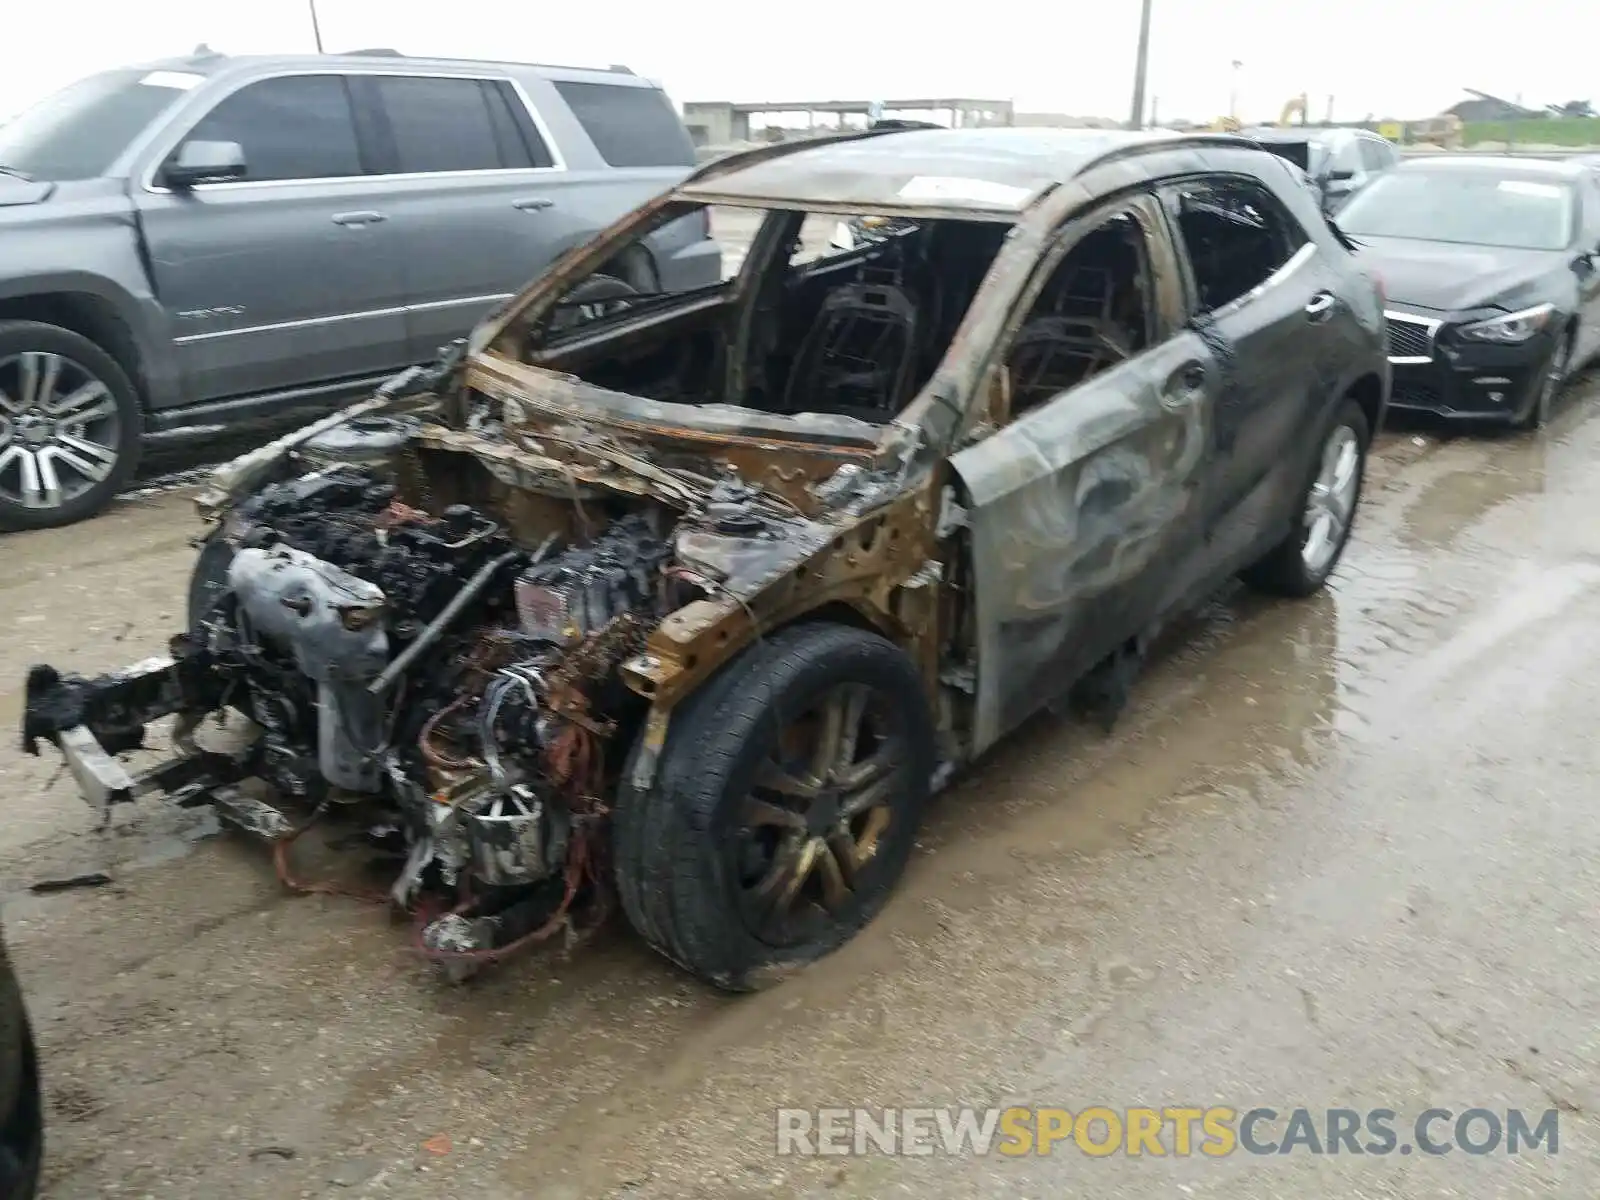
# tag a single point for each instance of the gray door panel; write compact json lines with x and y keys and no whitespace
{"x":1084,"y":522}
{"x":267,"y":291}
{"x":464,"y":243}
{"x":289,"y":276}
{"x":471,"y":240}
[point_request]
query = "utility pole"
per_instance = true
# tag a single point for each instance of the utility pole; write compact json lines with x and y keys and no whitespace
{"x":316,"y":27}
{"x":1141,"y":67}
{"x":1233,"y":94}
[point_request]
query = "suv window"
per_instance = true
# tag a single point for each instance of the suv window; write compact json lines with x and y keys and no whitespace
{"x":1375,"y":156}
{"x":629,"y":126}
{"x":296,"y":127}
{"x":1236,"y":235}
{"x":441,"y":124}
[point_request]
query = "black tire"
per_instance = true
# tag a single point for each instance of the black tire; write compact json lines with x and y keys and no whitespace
{"x":1283,"y":570}
{"x":597,"y":290}
{"x":22,"y":1136}
{"x":685,"y":860}
{"x":1552,"y":378}
{"x":82,"y":355}
{"x":209,"y":577}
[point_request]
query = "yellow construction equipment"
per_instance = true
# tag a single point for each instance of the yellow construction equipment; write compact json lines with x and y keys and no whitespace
{"x":1296,"y":107}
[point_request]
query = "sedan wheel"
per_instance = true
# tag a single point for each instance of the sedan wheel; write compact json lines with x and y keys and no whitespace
{"x":1555,"y":375}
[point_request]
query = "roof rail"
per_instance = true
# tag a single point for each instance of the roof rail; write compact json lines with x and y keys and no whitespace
{"x":374,"y":52}
{"x":1182,"y":141}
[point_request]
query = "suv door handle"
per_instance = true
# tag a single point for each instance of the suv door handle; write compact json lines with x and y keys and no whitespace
{"x":533,"y":204}
{"x":358,"y":218}
{"x":1320,"y":307}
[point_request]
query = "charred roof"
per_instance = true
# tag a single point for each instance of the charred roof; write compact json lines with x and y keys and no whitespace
{"x":994,"y":170}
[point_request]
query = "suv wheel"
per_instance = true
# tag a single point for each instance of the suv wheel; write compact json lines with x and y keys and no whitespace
{"x":596,"y":297}
{"x":785,"y":806}
{"x":1301,"y":563}
{"x":70,"y":425}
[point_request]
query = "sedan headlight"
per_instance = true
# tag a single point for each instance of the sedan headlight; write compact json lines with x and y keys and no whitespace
{"x":1511,"y":329}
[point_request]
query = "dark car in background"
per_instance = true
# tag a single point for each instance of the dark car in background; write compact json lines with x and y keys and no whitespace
{"x":21,"y":1114}
{"x":1491,"y":266}
{"x":1339,"y":162}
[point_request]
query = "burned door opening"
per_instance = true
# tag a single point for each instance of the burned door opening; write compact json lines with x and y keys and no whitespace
{"x":1083,"y":509}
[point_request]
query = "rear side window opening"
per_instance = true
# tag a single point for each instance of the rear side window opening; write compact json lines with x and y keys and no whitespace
{"x":630,"y":126}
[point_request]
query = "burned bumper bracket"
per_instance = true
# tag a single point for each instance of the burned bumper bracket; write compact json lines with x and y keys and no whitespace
{"x":92,"y":721}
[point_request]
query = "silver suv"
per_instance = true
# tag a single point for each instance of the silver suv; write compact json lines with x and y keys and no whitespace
{"x":194,"y":244}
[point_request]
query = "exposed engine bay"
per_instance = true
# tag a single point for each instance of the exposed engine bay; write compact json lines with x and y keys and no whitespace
{"x":453,"y":689}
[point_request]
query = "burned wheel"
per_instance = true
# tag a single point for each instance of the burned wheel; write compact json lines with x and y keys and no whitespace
{"x":784,"y":808}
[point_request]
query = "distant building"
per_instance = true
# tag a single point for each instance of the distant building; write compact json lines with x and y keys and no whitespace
{"x":1484,"y":107}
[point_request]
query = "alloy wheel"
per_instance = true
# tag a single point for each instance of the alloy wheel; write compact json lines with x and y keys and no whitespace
{"x":1331,"y":502}
{"x":819,"y":810}
{"x":59,"y":430}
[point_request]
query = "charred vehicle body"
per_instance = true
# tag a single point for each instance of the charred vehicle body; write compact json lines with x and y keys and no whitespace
{"x":693,"y":599}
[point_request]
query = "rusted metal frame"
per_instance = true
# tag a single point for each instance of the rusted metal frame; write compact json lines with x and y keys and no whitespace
{"x":772,"y":236}
{"x":551,"y":394}
{"x":847,"y":208}
{"x":756,"y":154}
{"x":862,"y":565}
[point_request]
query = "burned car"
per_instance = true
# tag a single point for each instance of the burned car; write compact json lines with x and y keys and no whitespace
{"x":691,"y":600}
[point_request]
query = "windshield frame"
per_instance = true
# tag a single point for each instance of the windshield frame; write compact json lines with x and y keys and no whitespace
{"x":32,"y":141}
{"x":1350,"y":215}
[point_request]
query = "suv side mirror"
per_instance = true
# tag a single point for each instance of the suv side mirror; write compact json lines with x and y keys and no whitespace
{"x":203,"y":162}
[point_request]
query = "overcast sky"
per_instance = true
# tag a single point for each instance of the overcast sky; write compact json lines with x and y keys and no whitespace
{"x":1402,"y":58}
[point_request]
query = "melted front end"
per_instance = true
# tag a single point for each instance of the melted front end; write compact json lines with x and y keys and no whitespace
{"x":424,"y":649}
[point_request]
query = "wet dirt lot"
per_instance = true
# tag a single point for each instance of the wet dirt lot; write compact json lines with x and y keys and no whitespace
{"x":1341,"y":853}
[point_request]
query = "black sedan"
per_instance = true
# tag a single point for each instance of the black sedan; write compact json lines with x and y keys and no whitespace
{"x":21,"y":1116}
{"x":1491,"y":267}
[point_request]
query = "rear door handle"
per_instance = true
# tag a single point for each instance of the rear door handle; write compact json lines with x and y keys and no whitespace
{"x":358,"y":218}
{"x":1320,"y":307}
{"x":533,"y":204}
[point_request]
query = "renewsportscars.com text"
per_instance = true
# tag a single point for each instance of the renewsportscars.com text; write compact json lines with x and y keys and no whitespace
{"x":1171,"y":1131}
